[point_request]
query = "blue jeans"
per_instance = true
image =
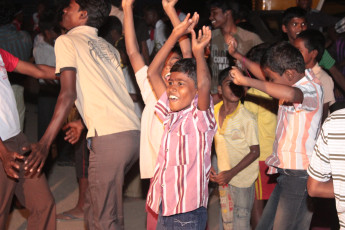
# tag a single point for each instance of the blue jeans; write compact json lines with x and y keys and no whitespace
{"x":193,"y":220}
{"x":289,"y":205}
{"x":236,"y":204}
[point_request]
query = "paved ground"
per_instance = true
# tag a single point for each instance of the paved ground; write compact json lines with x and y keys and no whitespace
{"x":63,"y":184}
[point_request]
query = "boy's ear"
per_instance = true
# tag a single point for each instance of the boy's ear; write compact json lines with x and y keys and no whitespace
{"x":219,"y":89}
{"x":314,"y":53}
{"x":284,"y":28}
{"x":289,"y":74}
{"x":83,"y":14}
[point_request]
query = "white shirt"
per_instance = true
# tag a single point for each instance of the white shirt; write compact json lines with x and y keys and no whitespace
{"x":326,"y":83}
{"x":43,"y":53}
{"x":9,"y":118}
{"x":328,"y":159}
{"x":102,"y":97}
{"x":151,"y":127}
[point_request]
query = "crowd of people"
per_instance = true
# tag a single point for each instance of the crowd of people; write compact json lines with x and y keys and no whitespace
{"x":201,"y":107}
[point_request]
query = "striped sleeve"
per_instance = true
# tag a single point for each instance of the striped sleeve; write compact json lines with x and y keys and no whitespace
{"x":205,"y":119}
{"x":162,"y":107}
{"x":320,"y":167}
{"x":310,"y":99}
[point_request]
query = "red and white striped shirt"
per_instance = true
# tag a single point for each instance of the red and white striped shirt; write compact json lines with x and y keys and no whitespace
{"x":180,"y":181}
{"x":297,"y":127}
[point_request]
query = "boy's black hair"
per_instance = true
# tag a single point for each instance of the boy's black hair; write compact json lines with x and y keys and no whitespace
{"x":282,"y":56}
{"x":293,"y":12}
{"x":48,"y":20}
{"x":256,"y":52}
{"x":313,"y":40}
{"x":7,"y":11}
{"x":156,"y":8}
{"x":186,"y":66}
{"x":97,"y":11}
{"x":111,"y":23}
{"x":238,"y":90}
{"x":225,"y":5}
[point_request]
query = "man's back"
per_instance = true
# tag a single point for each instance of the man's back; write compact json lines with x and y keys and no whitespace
{"x":102,"y":97}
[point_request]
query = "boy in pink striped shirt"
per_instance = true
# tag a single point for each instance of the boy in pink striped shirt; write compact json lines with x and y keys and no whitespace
{"x":179,"y":188}
{"x":300,"y":108}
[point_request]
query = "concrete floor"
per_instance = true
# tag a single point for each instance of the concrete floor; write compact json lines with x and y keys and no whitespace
{"x":63,"y":184}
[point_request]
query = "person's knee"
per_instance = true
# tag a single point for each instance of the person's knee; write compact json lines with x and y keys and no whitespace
{"x":242,"y":217}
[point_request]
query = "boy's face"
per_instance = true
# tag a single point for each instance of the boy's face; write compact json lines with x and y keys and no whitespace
{"x":218,"y":17}
{"x":71,"y":16}
{"x":180,"y":90}
{"x":226,"y":92}
{"x":309,"y":57}
{"x":275,"y":77}
{"x":294,"y":27}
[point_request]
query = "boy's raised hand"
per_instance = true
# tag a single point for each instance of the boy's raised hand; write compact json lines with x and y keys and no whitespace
{"x":237,"y":77}
{"x":167,"y":4}
{"x":127,"y":3}
{"x":204,"y":37}
{"x":187,"y":25}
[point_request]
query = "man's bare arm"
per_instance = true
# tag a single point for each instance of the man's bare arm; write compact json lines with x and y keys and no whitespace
{"x":320,"y":189}
{"x":67,"y":96}
{"x":36,"y":71}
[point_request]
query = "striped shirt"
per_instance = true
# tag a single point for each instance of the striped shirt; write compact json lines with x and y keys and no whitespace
{"x":328,"y":159}
{"x":297,"y":127}
{"x":180,"y":181}
{"x":18,"y":43}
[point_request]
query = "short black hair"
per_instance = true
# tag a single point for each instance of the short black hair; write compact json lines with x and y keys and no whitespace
{"x":313,"y":40}
{"x":282,"y":56}
{"x":97,"y":11}
{"x":225,"y":5}
{"x":7,"y":11}
{"x":256,"y":52}
{"x":48,"y":20}
{"x":187,"y":66}
{"x":238,"y":90}
{"x":293,"y":12}
{"x":111,"y":23}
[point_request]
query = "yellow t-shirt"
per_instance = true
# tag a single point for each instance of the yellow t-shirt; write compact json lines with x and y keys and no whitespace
{"x":232,"y":142}
{"x":264,"y":107}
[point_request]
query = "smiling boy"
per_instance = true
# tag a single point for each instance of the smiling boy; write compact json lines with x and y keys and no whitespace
{"x":179,"y":188}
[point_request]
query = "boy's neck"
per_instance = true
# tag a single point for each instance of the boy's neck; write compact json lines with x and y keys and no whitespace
{"x":229,"y":107}
{"x":311,"y":64}
{"x":229,"y":28}
{"x":297,"y":77}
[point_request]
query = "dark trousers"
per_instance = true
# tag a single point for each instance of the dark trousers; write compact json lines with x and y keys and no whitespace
{"x":111,"y":157}
{"x":33,"y":193}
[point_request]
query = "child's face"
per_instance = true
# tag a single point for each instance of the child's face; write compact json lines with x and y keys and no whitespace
{"x":309,"y":57}
{"x":71,"y":15}
{"x":275,"y":77}
{"x":180,"y":90}
{"x":218,"y":17}
{"x":226,"y":91}
{"x":294,"y":27}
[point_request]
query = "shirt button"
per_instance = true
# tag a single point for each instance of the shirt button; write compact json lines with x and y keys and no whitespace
{"x":162,"y":185}
{"x":166,"y":150}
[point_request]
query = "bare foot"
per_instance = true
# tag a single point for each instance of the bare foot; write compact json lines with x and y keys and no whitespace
{"x":73,"y":214}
